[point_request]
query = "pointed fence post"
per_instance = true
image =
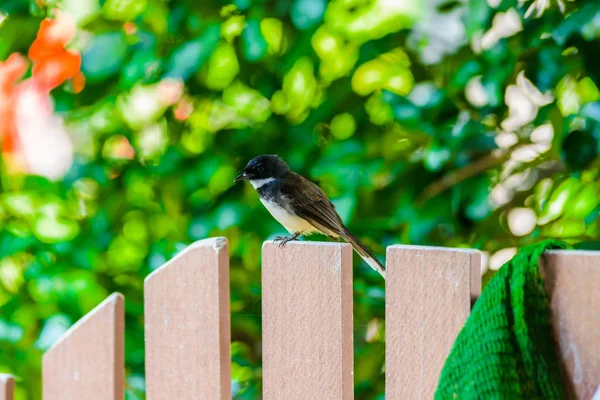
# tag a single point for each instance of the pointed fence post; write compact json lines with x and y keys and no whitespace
{"x":7,"y":387}
{"x":87,"y":362}
{"x":429,"y":292}
{"x":188,"y":325}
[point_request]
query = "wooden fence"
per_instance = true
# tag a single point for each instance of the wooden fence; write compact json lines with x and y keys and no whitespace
{"x":307,"y":324}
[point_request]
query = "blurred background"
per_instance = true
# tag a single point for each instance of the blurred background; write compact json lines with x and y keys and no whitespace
{"x":466,"y":123}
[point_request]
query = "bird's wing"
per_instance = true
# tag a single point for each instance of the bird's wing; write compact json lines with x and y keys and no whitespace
{"x":309,"y":202}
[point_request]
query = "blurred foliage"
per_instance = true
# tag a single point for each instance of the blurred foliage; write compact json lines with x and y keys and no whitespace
{"x":455,"y":123}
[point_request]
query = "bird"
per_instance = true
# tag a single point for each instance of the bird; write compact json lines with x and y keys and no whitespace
{"x":299,"y":204}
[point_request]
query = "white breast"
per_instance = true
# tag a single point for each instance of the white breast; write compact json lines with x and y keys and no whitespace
{"x":289,"y":221}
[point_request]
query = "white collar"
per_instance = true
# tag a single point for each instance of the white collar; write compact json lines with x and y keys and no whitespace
{"x":257,"y":183}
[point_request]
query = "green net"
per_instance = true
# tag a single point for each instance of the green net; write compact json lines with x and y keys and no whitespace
{"x":506,"y":348}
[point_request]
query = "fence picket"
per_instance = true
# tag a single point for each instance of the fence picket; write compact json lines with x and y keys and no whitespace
{"x":87,"y":362}
{"x":572,"y":279}
{"x":429,"y":292}
{"x":7,"y":387}
{"x":307,"y":321}
{"x":187,"y":325}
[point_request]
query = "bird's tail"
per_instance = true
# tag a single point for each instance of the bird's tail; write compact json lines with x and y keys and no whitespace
{"x":364,"y":252}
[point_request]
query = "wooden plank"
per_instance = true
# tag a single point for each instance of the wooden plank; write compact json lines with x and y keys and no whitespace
{"x":572,"y":279}
{"x":429,"y":292}
{"x":187,"y":325}
{"x":307,"y":321}
{"x":87,"y":362}
{"x":7,"y":387}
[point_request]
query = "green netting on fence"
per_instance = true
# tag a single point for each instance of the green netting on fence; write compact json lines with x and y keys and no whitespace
{"x":506,"y":348}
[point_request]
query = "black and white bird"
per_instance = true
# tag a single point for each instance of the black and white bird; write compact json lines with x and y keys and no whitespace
{"x":299,"y":205}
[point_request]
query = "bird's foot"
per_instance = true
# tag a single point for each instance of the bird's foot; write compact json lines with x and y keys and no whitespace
{"x":285,"y":239}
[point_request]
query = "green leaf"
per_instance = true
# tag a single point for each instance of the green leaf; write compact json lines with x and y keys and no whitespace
{"x":254,"y":46}
{"x":123,"y":10}
{"x":104,"y":56}
{"x":190,"y":56}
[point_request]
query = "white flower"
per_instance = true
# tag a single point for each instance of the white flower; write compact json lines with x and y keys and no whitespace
{"x":521,"y":221}
{"x":443,"y":32}
{"x":44,"y":142}
{"x":147,"y":103}
{"x":501,"y":257}
{"x":523,"y":100}
{"x":504,"y":25}
{"x":542,"y":134}
{"x":475,"y":92}
{"x":152,"y":140}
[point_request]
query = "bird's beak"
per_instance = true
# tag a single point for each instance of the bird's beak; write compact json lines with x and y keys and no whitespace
{"x":241,"y":177}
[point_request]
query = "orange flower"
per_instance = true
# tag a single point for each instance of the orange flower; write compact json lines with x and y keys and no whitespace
{"x":53,"y":71}
{"x":130,"y":28}
{"x":184,"y":109}
{"x":122,"y":148}
{"x":53,"y":64}
{"x":78,"y":82}
{"x":34,"y":140}
{"x":11,"y":71}
{"x":52,"y":37}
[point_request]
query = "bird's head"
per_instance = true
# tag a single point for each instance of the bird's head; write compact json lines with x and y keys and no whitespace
{"x":263,"y":167}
